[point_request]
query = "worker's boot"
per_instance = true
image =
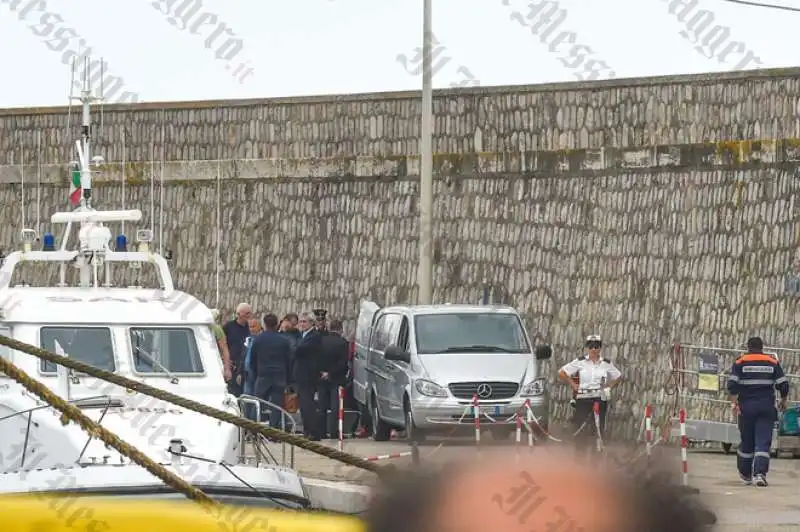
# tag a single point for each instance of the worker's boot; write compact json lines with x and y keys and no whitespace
{"x":746,"y":480}
{"x":760,"y":481}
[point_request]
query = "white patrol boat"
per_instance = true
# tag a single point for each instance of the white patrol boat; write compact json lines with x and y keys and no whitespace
{"x":157,"y":336}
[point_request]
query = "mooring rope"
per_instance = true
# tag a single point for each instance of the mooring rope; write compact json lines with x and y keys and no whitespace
{"x":72,"y":413}
{"x":145,"y":389}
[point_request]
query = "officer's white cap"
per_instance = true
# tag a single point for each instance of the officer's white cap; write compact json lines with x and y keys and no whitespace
{"x":593,"y":338}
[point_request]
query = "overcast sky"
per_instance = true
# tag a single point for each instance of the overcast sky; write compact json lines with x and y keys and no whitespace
{"x":216,"y":49}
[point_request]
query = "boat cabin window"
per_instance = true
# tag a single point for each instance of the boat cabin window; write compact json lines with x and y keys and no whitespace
{"x":90,"y":345}
{"x":165,"y":350}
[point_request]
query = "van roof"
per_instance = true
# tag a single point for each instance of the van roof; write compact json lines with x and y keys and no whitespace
{"x":418,"y":310}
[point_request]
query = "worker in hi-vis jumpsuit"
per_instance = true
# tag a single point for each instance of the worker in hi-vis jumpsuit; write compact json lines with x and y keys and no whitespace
{"x":591,"y":377}
{"x":751,"y":385}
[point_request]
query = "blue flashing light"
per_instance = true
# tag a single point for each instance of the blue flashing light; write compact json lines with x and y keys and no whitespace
{"x":122,"y":243}
{"x":48,"y":242}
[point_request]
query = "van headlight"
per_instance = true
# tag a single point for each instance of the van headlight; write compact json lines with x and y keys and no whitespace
{"x":429,"y":388}
{"x":533,"y":388}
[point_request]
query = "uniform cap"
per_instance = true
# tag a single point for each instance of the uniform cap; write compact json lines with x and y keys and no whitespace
{"x":593,"y":338}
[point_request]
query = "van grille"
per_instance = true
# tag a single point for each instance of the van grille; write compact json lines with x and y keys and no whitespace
{"x":499,"y":390}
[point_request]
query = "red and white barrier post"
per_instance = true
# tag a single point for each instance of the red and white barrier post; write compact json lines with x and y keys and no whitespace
{"x":341,"y":418}
{"x":529,"y":419}
{"x":476,"y":411}
{"x":684,"y":449}
{"x":648,"y":429}
{"x":596,"y":408}
{"x":519,"y":432}
{"x":378,"y":457}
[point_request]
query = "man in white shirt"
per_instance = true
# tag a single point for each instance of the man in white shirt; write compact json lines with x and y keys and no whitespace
{"x":591,"y":377}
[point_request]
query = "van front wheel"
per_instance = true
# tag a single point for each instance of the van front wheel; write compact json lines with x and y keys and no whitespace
{"x":413,"y":434}
{"x":380,"y":430}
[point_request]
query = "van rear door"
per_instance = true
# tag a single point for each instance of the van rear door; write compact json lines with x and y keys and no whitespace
{"x":366,"y":320}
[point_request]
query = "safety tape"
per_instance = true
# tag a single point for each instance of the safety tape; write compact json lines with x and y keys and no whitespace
{"x":389,"y":456}
{"x":467,"y":410}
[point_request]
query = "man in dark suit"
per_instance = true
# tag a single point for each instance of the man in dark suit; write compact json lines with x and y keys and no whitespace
{"x":332,"y":375}
{"x":306,"y":372}
{"x":271,"y":355}
{"x":288,"y":328}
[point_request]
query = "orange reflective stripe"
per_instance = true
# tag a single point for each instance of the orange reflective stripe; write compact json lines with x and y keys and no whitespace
{"x":756,"y":357}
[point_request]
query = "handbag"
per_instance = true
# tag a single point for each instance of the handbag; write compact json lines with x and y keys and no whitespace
{"x":290,"y":402}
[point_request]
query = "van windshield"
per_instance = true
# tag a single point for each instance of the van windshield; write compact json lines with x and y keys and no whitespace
{"x":470,"y":333}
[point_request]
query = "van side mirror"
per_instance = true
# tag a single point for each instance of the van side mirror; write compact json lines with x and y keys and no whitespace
{"x":396,"y":354}
{"x":543,"y":352}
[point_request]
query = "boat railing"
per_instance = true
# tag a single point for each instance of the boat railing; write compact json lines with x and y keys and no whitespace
{"x":259,"y":408}
{"x":91,"y":403}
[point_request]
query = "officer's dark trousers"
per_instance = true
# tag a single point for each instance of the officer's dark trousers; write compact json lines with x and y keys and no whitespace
{"x":584,"y":424}
{"x":756,"y":423}
{"x":328,"y":404}
{"x":308,"y":408}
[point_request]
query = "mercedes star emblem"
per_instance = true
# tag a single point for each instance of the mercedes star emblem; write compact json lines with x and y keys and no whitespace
{"x":484,"y":390}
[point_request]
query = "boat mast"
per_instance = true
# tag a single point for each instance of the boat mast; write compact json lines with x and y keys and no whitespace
{"x":84,"y":144}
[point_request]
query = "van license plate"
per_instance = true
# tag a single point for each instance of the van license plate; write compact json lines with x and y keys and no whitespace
{"x":497,"y":410}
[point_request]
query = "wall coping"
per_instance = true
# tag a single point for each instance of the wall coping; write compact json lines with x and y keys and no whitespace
{"x":711,"y":155}
{"x":681,"y":79}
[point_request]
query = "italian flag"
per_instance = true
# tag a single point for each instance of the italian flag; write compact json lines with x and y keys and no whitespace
{"x":75,"y":188}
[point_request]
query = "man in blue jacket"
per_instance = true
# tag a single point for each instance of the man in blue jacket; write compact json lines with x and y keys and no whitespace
{"x":751,"y":385}
{"x":271,"y":354}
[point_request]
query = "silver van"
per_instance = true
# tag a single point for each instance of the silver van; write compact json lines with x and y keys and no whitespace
{"x":418,"y":368}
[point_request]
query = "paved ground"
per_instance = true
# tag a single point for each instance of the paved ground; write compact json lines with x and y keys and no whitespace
{"x":740,"y":508}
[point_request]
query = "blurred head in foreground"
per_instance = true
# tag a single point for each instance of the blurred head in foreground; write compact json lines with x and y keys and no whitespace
{"x":544,"y":491}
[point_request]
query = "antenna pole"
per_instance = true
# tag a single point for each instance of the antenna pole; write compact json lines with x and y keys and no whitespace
{"x":124,"y":155}
{"x":218,"y":234}
{"x":161,"y":192}
{"x":84,"y":145}
{"x":152,"y":184}
{"x":22,"y":187}
{"x":38,"y":181}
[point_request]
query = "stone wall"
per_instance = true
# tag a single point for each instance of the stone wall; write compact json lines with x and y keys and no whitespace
{"x":627,"y":113}
{"x":650,"y":212}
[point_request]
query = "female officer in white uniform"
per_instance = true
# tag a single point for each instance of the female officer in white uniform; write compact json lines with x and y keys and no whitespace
{"x":595,"y":378}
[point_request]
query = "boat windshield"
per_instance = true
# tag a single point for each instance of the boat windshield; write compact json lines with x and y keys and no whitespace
{"x":90,"y":345}
{"x":165,"y":350}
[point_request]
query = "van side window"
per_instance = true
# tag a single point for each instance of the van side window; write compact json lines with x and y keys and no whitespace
{"x":378,"y":342}
{"x":402,"y":339}
{"x":392,"y":328}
